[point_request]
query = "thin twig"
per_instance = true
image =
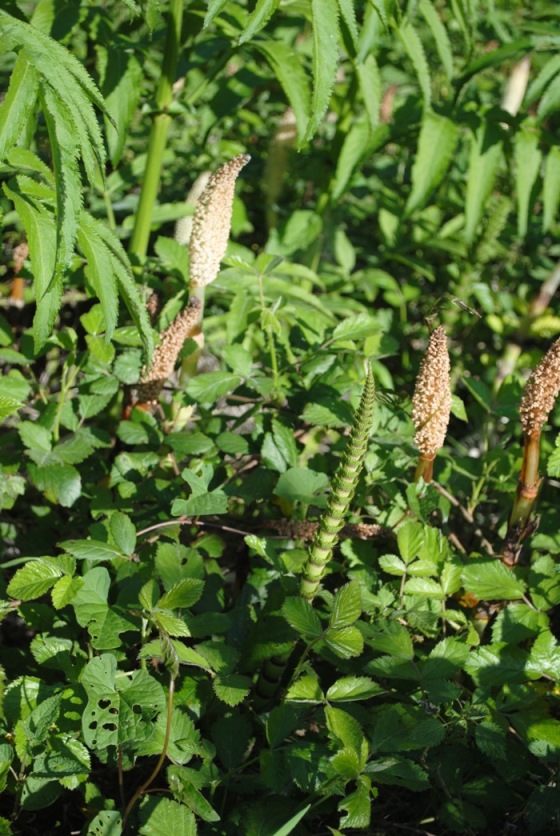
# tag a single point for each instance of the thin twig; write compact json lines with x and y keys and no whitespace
{"x":141,"y":790}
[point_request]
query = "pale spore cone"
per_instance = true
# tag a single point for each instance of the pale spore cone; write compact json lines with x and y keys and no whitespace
{"x":212,"y":223}
{"x":186,"y":324}
{"x":541,"y":391}
{"x":431,"y":403}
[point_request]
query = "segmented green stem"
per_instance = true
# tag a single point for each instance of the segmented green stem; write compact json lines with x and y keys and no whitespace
{"x":343,"y":487}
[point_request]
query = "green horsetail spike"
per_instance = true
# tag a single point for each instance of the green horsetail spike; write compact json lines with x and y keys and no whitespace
{"x":343,"y":487}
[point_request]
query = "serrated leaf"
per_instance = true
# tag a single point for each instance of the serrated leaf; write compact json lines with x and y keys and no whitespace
{"x":40,"y":229}
{"x":121,"y":82}
{"x":18,"y":103}
{"x":348,"y":15}
{"x":100,"y":273}
{"x":208,"y":387}
{"x":184,"y":593}
{"x":215,"y":502}
{"x":187,"y":793}
{"x":93,"y":550}
{"x":369,"y":78}
{"x":410,"y":539}
{"x":413,"y":45}
{"x":123,"y":532}
{"x":66,"y":76}
{"x":124,"y":278}
{"x":302,"y":617}
{"x":149,"y":595}
{"x":346,"y":642}
{"x":170,"y":624}
{"x":490,"y":580}
{"x":357,"y":806}
{"x":426,"y":587}
{"x":551,"y":187}
{"x":214,"y":9}
{"x":162,"y":817}
{"x":305,"y":689}
{"x":104,"y":623}
{"x":350,"y":688}
{"x":345,"y":727}
{"x":550,"y":101}
{"x":64,"y":590}
{"x":392,"y":564}
{"x":355,"y":328}
{"x":64,"y":150}
{"x":231,"y":688}
{"x":485,"y":156}
{"x":258,"y":18}
{"x":287,"y":68}
{"x":527,"y":165}
{"x":347,"y":605}
{"x":119,"y":710}
{"x":33,"y":580}
{"x":300,"y":484}
{"x":436,"y":144}
{"x":324,"y":15}
{"x":439,"y":32}
{"x":355,"y":149}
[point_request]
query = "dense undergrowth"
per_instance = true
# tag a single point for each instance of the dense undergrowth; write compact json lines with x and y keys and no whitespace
{"x":179,"y":655}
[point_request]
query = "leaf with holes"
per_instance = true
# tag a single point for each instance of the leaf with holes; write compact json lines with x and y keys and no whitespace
{"x":120,"y":710}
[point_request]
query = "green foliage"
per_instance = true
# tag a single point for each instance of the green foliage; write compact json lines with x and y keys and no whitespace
{"x":235,"y":611}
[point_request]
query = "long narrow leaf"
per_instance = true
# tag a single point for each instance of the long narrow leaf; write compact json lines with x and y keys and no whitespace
{"x":413,"y":46}
{"x":67,"y":176}
{"x":371,"y":88}
{"x":545,"y":76}
{"x":325,"y":58}
{"x":128,"y":288}
{"x":258,"y":18}
{"x":485,"y":156}
{"x":551,"y":189}
{"x":436,"y":144}
{"x":439,"y":32}
{"x":214,"y":8}
{"x":40,"y":228}
{"x":291,"y":75}
{"x":100,"y":272}
{"x":348,"y":15}
{"x":17,"y":104}
{"x":528,"y":159}
{"x":64,"y":73}
{"x":550,"y":101}
{"x":121,"y":81}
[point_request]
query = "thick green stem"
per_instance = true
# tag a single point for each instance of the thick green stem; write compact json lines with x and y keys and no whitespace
{"x":158,"y":134}
{"x":344,"y":485}
{"x":528,"y":486}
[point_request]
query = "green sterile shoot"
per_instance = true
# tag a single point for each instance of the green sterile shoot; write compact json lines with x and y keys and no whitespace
{"x":540,"y":394}
{"x":343,"y":488}
{"x":158,"y":134}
